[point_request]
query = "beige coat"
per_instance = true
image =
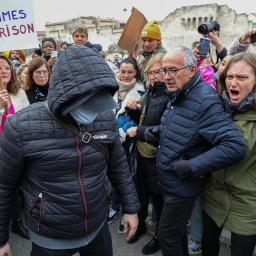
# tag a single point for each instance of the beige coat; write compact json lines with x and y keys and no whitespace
{"x":19,"y":101}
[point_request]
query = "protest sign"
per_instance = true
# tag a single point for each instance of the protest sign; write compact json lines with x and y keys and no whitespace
{"x":130,"y":38}
{"x":17,"y":25}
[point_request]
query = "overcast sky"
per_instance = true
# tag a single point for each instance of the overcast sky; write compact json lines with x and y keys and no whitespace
{"x":60,"y":10}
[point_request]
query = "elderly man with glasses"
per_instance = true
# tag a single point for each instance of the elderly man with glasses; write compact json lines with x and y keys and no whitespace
{"x":195,"y":138}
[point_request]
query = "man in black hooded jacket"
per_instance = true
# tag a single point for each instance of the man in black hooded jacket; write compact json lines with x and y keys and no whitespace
{"x":64,"y":176}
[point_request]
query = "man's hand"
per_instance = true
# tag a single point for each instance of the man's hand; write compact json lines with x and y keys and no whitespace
{"x":130,"y":223}
{"x":151,"y":134}
{"x":182,"y":169}
{"x":6,"y":250}
{"x":215,"y":40}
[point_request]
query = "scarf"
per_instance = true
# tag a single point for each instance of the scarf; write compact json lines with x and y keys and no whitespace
{"x":243,"y":106}
{"x":124,"y":88}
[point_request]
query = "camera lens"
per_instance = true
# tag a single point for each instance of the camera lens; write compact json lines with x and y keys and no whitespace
{"x":202,"y":29}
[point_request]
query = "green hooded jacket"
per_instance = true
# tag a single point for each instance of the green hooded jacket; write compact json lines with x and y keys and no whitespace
{"x":230,"y":194}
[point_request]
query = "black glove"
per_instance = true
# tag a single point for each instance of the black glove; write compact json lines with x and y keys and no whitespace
{"x":151,"y":134}
{"x":182,"y":169}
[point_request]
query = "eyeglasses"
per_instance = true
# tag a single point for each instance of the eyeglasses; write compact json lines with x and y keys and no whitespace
{"x":7,"y":69}
{"x":171,"y":72}
{"x":155,"y":73}
{"x":40,"y":73}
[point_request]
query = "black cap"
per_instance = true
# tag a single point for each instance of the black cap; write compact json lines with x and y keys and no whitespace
{"x":96,"y":102}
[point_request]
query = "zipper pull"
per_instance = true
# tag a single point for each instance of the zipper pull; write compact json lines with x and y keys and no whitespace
{"x":79,"y":128}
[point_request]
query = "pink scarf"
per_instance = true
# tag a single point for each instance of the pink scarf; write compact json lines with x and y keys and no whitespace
{"x":4,"y":116}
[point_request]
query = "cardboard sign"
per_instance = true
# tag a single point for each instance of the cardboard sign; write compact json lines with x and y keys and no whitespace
{"x":130,"y":38}
{"x":17,"y":25}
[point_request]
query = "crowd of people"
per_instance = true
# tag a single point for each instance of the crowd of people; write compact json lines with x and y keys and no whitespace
{"x":169,"y":127}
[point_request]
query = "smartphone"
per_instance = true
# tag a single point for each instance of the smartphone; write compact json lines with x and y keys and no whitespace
{"x":204,"y":47}
{"x":253,"y":38}
{"x":54,"y":54}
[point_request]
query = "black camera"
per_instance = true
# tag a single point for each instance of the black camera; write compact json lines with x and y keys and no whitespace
{"x":206,"y":28}
{"x":17,"y":64}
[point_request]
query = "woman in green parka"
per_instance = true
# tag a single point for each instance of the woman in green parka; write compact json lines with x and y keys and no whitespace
{"x":230,"y":194}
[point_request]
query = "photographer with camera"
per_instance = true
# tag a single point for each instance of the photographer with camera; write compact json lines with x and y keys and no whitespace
{"x":211,"y":30}
{"x":37,"y":52}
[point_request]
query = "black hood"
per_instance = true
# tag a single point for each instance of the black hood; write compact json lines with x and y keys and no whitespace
{"x":78,"y":72}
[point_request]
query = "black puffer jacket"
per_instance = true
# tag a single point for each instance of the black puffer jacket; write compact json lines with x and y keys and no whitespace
{"x":156,"y":100}
{"x":64,"y":178}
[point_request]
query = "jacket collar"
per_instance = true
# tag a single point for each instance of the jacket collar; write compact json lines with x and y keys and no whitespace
{"x":144,"y":53}
{"x":189,"y":86}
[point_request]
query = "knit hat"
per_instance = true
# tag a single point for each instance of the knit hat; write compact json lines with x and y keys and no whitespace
{"x":151,"y":30}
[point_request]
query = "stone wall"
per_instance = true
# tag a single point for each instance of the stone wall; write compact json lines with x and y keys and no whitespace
{"x":178,"y":27}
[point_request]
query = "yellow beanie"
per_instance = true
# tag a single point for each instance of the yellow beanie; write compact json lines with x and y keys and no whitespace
{"x":151,"y":30}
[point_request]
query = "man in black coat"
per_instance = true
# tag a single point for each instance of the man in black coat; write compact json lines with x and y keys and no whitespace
{"x":49,"y":148}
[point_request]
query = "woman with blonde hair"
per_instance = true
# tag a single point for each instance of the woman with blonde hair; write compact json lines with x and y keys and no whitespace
{"x":22,"y":74}
{"x":147,"y":112}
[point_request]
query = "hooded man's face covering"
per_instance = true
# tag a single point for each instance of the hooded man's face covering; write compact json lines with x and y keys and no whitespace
{"x":100,"y":102}
{"x":83,"y":116}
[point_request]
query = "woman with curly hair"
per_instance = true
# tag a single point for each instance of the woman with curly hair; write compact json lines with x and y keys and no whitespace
{"x":49,"y":45}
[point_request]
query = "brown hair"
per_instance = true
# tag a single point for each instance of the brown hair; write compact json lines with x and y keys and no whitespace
{"x":80,"y":29}
{"x":33,"y":65}
{"x":247,"y":57}
{"x":13,"y":86}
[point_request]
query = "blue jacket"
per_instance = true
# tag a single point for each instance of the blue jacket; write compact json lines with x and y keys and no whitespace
{"x":195,"y":127}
